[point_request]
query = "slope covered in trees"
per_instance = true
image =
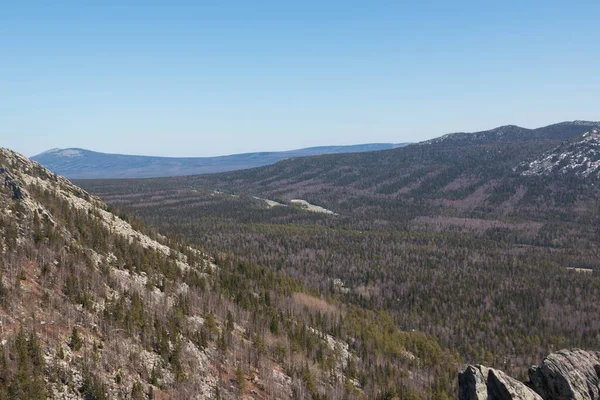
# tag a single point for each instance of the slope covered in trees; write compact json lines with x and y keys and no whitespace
{"x":96,"y":305}
{"x":446,"y":236}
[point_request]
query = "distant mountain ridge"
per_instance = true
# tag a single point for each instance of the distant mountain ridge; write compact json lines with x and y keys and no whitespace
{"x":453,"y":163}
{"x":559,"y":131}
{"x":76,"y":163}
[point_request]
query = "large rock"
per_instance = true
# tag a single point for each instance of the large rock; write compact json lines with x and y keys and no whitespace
{"x":481,"y":383}
{"x":565,"y":375}
{"x":568,"y":374}
{"x":502,"y":387}
{"x":472,"y":383}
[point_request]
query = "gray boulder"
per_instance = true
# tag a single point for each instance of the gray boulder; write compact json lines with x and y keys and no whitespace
{"x":472,"y":383}
{"x":568,"y":374}
{"x":481,"y":383}
{"x":502,"y":387}
{"x":564,"y":375}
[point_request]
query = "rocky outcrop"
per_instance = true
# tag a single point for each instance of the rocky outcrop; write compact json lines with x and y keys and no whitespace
{"x":503,"y":387}
{"x":472,"y":383}
{"x":481,"y":383}
{"x":564,"y":375}
{"x":580,"y":157}
{"x":568,"y":374}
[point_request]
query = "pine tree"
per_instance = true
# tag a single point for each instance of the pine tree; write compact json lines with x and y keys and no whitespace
{"x":230,"y":324}
{"x":137,"y":393}
{"x":76,"y":340}
{"x":211,"y":324}
{"x":241,"y":379}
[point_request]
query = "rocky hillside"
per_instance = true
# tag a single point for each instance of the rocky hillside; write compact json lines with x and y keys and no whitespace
{"x":579,"y":157}
{"x":87,"y":299}
{"x":564,"y":375}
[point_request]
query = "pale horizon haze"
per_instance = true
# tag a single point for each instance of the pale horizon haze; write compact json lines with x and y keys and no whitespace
{"x":213,"y":78}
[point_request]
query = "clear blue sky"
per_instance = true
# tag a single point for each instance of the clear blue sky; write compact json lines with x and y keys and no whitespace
{"x":222,"y":77}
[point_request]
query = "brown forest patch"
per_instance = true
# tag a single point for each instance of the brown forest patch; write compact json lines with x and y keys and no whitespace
{"x":314,"y":303}
{"x":478,"y":225}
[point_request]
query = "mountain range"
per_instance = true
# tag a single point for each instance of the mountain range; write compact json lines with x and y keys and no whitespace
{"x":484,"y":164}
{"x":343,"y":276}
{"x":75,"y":163}
{"x":85,"y":164}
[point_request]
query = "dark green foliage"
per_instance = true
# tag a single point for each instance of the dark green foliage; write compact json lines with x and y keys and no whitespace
{"x":137,"y":393}
{"x":175,"y":361}
{"x":240,"y":377}
{"x":153,"y":377}
{"x":210,"y":323}
{"x":229,"y":323}
{"x":93,"y":388}
{"x":75,"y":342}
{"x":22,"y":368}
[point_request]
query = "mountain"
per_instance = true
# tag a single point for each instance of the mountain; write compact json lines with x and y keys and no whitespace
{"x":96,"y":305}
{"x":85,"y":164}
{"x":434,"y":172}
{"x":448,"y":237}
{"x":560,"y":131}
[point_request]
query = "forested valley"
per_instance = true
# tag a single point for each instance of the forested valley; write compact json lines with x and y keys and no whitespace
{"x":95,"y":304}
{"x":449,"y":238}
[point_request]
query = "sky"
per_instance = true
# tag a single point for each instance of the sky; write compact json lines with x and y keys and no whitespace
{"x":211,"y":78}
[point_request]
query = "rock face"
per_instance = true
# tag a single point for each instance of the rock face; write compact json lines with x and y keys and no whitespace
{"x":564,"y":375}
{"x":503,"y":387}
{"x":580,"y":157}
{"x":481,"y":383}
{"x":472,"y":383}
{"x":568,"y":374}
